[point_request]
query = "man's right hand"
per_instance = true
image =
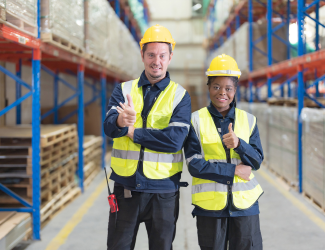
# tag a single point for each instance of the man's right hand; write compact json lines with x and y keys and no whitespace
{"x":127,"y":114}
{"x":243,"y":171}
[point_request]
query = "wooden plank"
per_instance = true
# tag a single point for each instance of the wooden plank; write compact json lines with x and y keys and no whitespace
{"x":4,"y":216}
{"x":15,"y":222}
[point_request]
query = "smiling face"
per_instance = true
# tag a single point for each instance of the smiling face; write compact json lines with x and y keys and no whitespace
{"x":156,"y":59}
{"x":222,"y":92}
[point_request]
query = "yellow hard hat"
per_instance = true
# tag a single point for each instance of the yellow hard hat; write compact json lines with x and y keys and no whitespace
{"x":223,"y":65}
{"x":157,"y":33}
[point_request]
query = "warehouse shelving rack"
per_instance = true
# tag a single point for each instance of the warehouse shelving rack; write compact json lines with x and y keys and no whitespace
{"x":308,"y":69}
{"x":23,"y":49}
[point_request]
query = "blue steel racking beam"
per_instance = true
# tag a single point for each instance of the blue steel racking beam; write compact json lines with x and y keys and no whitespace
{"x":301,"y":88}
{"x":81,"y":72}
{"x":36,"y":134}
{"x":250,"y":32}
{"x":103,"y":109}
{"x":18,"y":92}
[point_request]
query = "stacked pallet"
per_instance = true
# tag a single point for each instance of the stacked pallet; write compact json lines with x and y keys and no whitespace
{"x":92,"y":153}
{"x":313,"y":155}
{"x":20,"y":14}
{"x":58,"y":161}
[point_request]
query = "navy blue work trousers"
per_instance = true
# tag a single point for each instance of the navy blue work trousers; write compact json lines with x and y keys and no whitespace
{"x":233,"y":233}
{"x":159,"y":212}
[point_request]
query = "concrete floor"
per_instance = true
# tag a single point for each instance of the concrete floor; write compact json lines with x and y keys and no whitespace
{"x":284,"y":226}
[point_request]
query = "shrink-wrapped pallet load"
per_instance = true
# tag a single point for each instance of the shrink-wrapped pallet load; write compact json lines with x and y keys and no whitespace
{"x":21,"y":14}
{"x":261,"y":111}
{"x":313,"y":155}
{"x":62,"y":23}
{"x":113,"y":39}
{"x":96,"y":38}
{"x":283,"y":143}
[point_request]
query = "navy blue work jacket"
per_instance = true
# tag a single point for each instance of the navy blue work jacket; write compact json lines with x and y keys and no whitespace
{"x":170,"y":139}
{"x":251,"y":154}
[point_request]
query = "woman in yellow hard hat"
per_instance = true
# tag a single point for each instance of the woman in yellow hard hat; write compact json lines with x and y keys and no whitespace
{"x":222,"y":149}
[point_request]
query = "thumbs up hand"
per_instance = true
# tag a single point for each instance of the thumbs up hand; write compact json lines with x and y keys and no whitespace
{"x":127,"y":114}
{"x":230,"y":139}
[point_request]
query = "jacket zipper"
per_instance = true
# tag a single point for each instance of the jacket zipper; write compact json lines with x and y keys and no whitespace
{"x":144,"y":125}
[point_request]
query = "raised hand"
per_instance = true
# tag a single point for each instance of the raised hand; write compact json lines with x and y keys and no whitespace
{"x":230,"y":139}
{"x":127,"y":114}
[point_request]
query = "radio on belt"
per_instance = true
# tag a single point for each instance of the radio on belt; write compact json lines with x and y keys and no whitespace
{"x":111,"y":198}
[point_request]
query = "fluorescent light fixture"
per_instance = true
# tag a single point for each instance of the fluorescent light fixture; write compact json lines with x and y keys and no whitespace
{"x":197,"y":7}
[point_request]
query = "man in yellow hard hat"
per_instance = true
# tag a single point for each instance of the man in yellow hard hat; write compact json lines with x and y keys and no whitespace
{"x":149,"y":119}
{"x":222,"y":149}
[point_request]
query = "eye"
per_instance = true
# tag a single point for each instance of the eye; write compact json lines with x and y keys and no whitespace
{"x":216,"y":87}
{"x":228,"y":89}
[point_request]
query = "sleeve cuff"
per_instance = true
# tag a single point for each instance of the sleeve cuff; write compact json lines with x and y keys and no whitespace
{"x":138,"y":134}
{"x":241,"y":149}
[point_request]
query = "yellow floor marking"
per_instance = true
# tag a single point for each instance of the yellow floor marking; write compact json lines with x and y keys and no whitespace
{"x":301,"y":206}
{"x":61,"y":237}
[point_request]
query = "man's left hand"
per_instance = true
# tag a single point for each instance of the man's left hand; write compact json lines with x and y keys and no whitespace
{"x":230,"y":139}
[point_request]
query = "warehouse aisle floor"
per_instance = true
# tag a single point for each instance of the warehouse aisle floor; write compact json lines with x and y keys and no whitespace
{"x":288,"y":221}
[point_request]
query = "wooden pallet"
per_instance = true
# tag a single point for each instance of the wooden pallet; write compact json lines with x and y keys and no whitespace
{"x":58,"y":202}
{"x":289,"y":183}
{"x":311,"y":199}
{"x":51,"y":183}
{"x":17,"y":22}
{"x":294,"y":102}
{"x":96,"y":59}
{"x":91,"y":175}
{"x":62,"y":43}
{"x":287,"y":102}
{"x":50,"y":134}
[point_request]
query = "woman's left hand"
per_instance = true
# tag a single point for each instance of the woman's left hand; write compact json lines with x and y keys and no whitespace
{"x":230,"y":139}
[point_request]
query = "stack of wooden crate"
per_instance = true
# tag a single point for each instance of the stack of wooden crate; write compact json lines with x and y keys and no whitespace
{"x":58,"y":163}
{"x":92,"y":157}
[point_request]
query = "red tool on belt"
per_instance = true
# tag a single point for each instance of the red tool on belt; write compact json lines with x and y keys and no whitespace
{"x":111,"y":198}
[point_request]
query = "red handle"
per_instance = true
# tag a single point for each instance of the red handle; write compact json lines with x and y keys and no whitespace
{"x":112,"y":203}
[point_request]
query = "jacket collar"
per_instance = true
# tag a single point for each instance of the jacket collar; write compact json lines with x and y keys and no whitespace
{"x":143,"y":81}
{"x":215,"y":112}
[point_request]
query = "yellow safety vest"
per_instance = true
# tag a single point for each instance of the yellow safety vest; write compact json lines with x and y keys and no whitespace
{"x":210,"y":195}
{"x":126,"y":153}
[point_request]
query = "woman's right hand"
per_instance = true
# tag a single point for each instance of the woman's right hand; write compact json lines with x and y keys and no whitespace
{"x":243,"y":171}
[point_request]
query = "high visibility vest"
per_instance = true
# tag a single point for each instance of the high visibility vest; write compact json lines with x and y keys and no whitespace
{"x":126,"y":153}
{"x":210,"y":195}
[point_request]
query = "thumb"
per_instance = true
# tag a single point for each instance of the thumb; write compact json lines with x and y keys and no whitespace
{"x":128,"y":96}
{"x":230,"y":128}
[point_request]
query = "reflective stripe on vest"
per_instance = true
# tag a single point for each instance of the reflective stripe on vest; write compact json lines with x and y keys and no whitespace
{"x":126,"y":153}
{"x":211,"y":195}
